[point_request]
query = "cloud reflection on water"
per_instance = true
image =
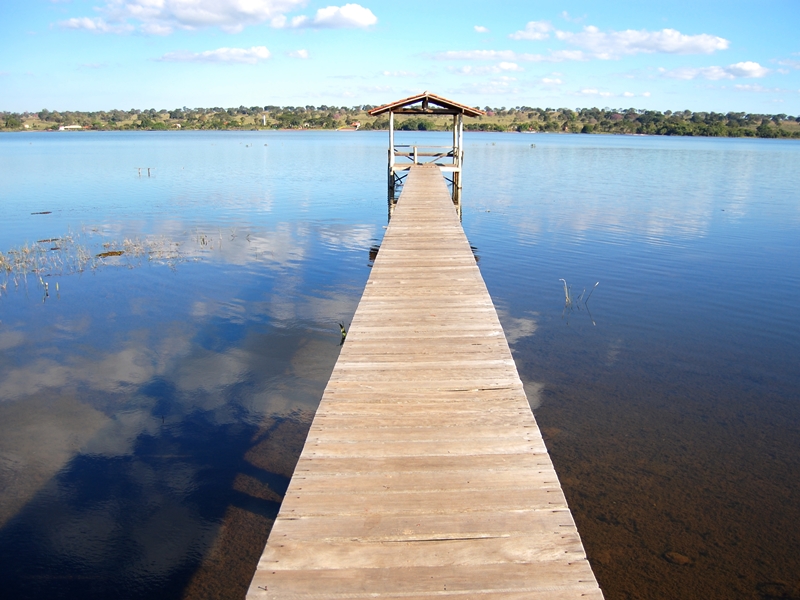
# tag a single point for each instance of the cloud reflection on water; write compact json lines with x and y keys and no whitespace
{"x":129,"y":401}
{"x":132,"y":404}
{"x":570,"y":193}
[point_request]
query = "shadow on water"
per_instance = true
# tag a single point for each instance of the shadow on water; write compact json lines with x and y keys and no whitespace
{"x":123,"y":526}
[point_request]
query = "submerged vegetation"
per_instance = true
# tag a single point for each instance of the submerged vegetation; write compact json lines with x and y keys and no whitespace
{"x":520,"y":118}
{"x":90,"y":249}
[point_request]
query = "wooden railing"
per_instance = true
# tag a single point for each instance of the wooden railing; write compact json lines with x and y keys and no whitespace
{"x":434,"y":153}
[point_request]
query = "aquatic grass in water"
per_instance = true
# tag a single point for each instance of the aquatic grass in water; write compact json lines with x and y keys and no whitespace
{"x":43,"y":259}
{"x":90,"y":249}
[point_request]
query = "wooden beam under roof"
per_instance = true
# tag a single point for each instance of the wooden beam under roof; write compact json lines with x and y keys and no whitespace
{"x":445,"y":106}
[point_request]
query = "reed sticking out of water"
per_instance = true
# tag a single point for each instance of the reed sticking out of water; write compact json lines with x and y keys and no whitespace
{"x":591,"y":292}
{"x":571,"y":303}
{"x":567,"y":294}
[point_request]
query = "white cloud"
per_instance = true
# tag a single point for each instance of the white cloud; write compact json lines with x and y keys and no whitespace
{"x":501,"y":86}
{"x":162,"y":17}
{"x":510,"y":55}
{"x":713,"y":73}
{"x":605,"y":94}
{"x":481,"y":29}
{"x":501,"y":67}
{"x":298,"y":54}
{"x":156,"y":29}
{"x":534,"y":30}
{"x":509,"y":66}
{"x":562,"y":55}
{"x":756,"y":88}
{"x":613,"y":44}
{"x":399,"y":74}
{"x":248,"y":56}
{"x":96,"y":25}
{"x":748,"y":69}
{"x":551,"y":81}
{"x":595,"y":92}
{"x":794,"y":64}
{"x":567,"y":17}
{"x":338,"y":17}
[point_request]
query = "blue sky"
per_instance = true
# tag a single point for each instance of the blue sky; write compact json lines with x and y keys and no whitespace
{"x":102,"y":54}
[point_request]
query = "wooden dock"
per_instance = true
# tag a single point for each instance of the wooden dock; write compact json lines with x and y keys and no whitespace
{"x":424,"y":474}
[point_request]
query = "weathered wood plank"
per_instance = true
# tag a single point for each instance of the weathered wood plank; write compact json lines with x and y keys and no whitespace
{"x":546,"y":579}
{"x":424,"y":473}
{"x":392,"y":527}
{"x":457,"y":480}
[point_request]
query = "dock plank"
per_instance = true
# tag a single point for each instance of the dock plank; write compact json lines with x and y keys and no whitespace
{"x":424,"y":474}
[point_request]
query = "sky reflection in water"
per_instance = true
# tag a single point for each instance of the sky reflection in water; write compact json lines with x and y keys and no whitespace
{"x":152,"y":409}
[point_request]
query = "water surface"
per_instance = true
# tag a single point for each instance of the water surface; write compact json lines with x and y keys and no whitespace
{"x":152,"y":407}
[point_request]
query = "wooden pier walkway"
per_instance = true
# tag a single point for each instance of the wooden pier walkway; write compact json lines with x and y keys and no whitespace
{"x":424,"y":474}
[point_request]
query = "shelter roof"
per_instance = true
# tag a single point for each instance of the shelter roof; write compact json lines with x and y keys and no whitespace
{"x":427,"y":104}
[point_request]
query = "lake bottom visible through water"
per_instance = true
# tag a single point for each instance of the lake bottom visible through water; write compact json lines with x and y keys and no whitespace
{"x":676,"y":500}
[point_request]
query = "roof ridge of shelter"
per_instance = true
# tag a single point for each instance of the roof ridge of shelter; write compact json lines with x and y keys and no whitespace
{"x":446,"y":106}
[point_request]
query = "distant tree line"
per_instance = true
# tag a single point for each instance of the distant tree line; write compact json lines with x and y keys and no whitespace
{"x":633,"y":121}
{"x":520,"y":118}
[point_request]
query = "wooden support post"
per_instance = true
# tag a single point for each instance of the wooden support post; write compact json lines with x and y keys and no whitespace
{"x":460,"y":139}
{"x":391,"y":192}
{"x":458,"y":158}
{"x":455,"y":138}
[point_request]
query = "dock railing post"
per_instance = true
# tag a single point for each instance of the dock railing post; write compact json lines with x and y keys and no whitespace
{"x":458,"y":159}
{"x":455,"y":133}
{"x":391,"y":164}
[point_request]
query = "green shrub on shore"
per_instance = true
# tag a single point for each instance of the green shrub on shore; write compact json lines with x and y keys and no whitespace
{"x":520,"y":118}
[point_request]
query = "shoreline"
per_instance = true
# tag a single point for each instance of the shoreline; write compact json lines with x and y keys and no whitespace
{"x":794,"y":136}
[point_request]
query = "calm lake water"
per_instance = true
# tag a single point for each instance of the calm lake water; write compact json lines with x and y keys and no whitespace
{"x":153,"y":403}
